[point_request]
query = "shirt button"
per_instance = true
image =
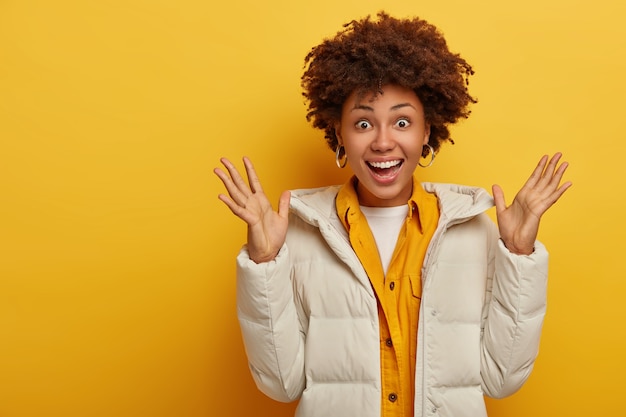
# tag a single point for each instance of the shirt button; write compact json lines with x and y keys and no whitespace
{"x":393,"y":397}
{"x":392,"y":285}
{"x":388,"y":342}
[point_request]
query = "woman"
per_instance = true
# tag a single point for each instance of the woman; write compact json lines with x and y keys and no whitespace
{"x":387,"y":296}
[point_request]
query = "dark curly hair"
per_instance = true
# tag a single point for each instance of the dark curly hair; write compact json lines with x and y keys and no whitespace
{"x":367,"y":54}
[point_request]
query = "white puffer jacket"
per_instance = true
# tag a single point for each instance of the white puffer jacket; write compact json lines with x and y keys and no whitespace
{"x":310,"y":323}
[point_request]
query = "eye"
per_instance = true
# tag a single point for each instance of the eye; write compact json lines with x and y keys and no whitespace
{"x":363,"y":125}
{"x":403,"y":123}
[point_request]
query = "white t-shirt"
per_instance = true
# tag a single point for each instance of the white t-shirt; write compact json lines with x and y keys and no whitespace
{"x":385,"y":224}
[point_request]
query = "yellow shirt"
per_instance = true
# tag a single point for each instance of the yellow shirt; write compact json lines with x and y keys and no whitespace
{"x":398,"y":292}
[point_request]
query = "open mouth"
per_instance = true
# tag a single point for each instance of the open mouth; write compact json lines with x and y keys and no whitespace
{"x":386,"y":168}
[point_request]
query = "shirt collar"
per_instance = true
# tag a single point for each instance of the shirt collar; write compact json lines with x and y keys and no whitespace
{"x":348,"y":210}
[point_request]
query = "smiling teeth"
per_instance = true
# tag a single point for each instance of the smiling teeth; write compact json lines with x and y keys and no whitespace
{"x":386,"y":164}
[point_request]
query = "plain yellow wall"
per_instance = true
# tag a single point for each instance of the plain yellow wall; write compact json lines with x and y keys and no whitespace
{"x":117,"y":259}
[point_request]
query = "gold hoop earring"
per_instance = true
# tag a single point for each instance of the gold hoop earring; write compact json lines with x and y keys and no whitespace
{"x":338,"y":155}
{"x":432,"y":157}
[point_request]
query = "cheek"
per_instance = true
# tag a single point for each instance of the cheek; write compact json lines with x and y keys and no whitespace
{"x":422,"y":136}
{"x":351,"y":150}
{"x":354,"y":142}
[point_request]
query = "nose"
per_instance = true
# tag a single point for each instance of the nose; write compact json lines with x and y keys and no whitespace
{"x":383,"y":141}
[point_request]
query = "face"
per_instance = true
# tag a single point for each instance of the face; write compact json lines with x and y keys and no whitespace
{"x":383,"y":137}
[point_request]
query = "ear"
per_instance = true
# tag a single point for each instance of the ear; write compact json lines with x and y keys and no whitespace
{"x":426,"y":134}
{"x":337,"y":127}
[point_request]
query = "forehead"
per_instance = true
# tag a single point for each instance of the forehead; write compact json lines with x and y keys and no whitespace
{"x":388,"y":96}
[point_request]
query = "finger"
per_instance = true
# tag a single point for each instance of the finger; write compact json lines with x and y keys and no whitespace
{"x":550,"y":170}
{"x":236,"y":209}
{"x":225,"y":178}
{"x":558,"y":171}
{"x":283,"y":204}
{"x":498,"y":198}
{"x":556,"y":195}
{"x":238,"y":188}
{"x":253,"y":178}
{"x":231,"y":187}
{"x":557,"y":176}
{"x":552,"y":178}
{"x":537,"y":173}
{"x":237,"y":180}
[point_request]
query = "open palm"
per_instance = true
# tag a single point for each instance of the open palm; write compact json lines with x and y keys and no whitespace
{"x":267,"y":228}
{"x":519,"y":222}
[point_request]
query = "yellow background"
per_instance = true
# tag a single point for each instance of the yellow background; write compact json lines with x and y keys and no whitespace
{"x":117,"y":259}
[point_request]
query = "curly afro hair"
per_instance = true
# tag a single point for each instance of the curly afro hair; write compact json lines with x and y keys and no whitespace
{"x":368,"y":54}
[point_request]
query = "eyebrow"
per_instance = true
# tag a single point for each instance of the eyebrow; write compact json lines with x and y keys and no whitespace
{"x":395,"y":107}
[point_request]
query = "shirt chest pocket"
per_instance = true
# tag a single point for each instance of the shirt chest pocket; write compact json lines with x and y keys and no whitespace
{"x":416,"y":286}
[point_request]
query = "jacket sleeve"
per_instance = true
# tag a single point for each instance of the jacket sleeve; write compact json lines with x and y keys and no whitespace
{"x":272,"y":335}
{"x":515,"y":312}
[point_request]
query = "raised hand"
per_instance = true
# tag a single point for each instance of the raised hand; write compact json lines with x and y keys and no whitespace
{"x":519,"y":222}
{"x":267,"y":228}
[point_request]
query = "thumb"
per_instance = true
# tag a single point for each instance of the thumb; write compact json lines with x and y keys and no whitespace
{"x":498,"y":198}
{"x":283,"y":204}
